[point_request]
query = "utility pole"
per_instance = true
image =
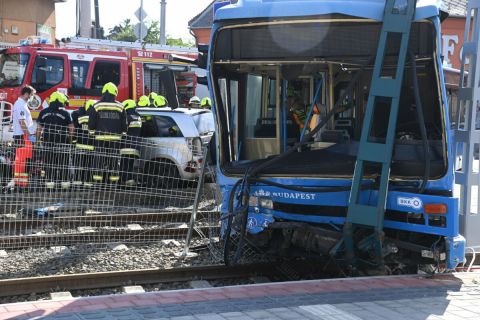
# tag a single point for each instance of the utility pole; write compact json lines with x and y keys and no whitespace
{"x":163,"y":15}
{"x":84,"y":18}
{"x":97,"y":20}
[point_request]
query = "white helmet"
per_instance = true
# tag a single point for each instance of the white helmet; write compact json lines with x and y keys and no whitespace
{"x":194,"y":100}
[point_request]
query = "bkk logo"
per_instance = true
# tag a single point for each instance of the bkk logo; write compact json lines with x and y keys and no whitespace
{"x":415,"y":203}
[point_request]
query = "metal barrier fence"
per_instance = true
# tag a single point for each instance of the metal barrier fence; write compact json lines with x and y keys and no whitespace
{"x":101,"y":190}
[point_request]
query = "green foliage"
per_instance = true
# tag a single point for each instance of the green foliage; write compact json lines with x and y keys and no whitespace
{"x":179,"y":42}
{"x":153,"y":32}
{"x":125,"y":31}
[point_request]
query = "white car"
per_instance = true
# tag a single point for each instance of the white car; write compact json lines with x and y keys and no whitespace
{"x":173,"y":143}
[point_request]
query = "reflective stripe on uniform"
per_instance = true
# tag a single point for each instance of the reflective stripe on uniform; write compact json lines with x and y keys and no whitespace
{"x":91,"y":131}
{"x":21,"y":174}
{"x":97,"y":178}
{"x":84,"y":147}
{"x":129,"y":152}
{"x":109,"y":107}
{"x":114,"y":178}
{"x":135,"y":124}
{"x":21,"y":179}
{"x":83,"y":119}
{"x":107,"y":137}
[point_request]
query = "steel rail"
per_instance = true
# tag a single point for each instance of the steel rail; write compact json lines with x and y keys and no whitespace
{"x":20,"y":286}
{"x":100,"y":220}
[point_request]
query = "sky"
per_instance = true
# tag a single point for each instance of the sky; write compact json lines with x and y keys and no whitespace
{"x":112,"y":12}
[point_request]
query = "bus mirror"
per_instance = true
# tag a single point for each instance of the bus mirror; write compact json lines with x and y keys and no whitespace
{"x":202,"y":80}
{"x":202,"y":56}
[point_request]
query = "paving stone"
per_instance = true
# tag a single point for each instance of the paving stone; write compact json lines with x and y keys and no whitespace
{"x":133,"y":289}
{"x":65,"y":295}
{"x":327,"y":310}
{"x":184,"y":318}
{"x":209,"y":316}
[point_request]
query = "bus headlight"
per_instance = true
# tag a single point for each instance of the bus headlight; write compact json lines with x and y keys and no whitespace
{"x":253,"y":202}
{"x":266,"y":203}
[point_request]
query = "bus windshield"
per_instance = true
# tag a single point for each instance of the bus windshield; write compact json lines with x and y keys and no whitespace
{"x":12,"y":69}
{"x":269,"y":77}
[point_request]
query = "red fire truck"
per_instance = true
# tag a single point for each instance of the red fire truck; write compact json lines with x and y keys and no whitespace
{"x":78,"y":70}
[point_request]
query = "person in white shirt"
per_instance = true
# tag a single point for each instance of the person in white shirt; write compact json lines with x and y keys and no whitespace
{"x":22,"y":118}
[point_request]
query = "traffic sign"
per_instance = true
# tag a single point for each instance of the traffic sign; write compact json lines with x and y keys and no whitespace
{"x":140,"y":14}
{"x":140,"y":26}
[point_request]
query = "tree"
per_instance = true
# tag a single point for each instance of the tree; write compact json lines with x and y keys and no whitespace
{"x":153,"y":33}
{"x":123,"y":32}
{"x":179,"y":42}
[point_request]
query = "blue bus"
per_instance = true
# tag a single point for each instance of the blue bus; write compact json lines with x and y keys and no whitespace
{"x":279,"y":71}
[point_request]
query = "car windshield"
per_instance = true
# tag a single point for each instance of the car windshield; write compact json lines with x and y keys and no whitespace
{"x":204,"y":123}
{"x":12,"y":69}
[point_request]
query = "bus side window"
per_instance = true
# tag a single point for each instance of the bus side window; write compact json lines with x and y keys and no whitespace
{"x":53,"y":67}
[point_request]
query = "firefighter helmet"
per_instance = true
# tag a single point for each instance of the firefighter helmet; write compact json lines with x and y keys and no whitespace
{"x":206,"y":103}
{"x":89,"y":104}
{"x":111,"y":88}
{"x":129,"y":104}
{"x":143,"y":101}
{"x":151,"y":96}
{"x":194,"y":100}
{"x":57,"y":96}
{"x":160,"y":101}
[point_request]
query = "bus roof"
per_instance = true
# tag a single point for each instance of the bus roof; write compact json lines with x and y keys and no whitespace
{"x":368,"y":9}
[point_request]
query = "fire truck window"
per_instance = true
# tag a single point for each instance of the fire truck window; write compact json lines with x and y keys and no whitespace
{"x":105,"y":71}
{"x":54,"y":69}
{"x":79,"y":73}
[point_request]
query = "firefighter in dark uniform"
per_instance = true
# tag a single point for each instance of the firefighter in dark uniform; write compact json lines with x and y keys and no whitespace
{"x":107,"y":123}
{"x":131,"y":142}
{"x":55,"y":127}
{"x":84,"y":146}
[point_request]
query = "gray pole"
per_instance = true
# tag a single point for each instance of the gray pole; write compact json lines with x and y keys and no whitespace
{"x":163,"y":15}
{"x":97,"y":19}
{"x":85,"y":19}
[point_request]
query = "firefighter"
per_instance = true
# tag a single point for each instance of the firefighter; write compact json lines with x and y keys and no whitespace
{"x":194,"y":102}
{"x":160,"y":102}
{"x":151,"y":97}
{"x":84,"y":146}
{"x":131,"y":142}
{"x":107,"y":123}
{"x":206,"y":103}
{"x":55,"y":127}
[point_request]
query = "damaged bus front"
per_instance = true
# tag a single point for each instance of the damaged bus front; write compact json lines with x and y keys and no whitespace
{"x":290,"y":71}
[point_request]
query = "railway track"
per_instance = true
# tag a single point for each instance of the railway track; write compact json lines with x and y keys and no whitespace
{"x":101,"y":220}
{"x":21,"y":286}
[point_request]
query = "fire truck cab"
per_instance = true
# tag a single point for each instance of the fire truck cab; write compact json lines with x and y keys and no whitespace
{"x":81,"y":74}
